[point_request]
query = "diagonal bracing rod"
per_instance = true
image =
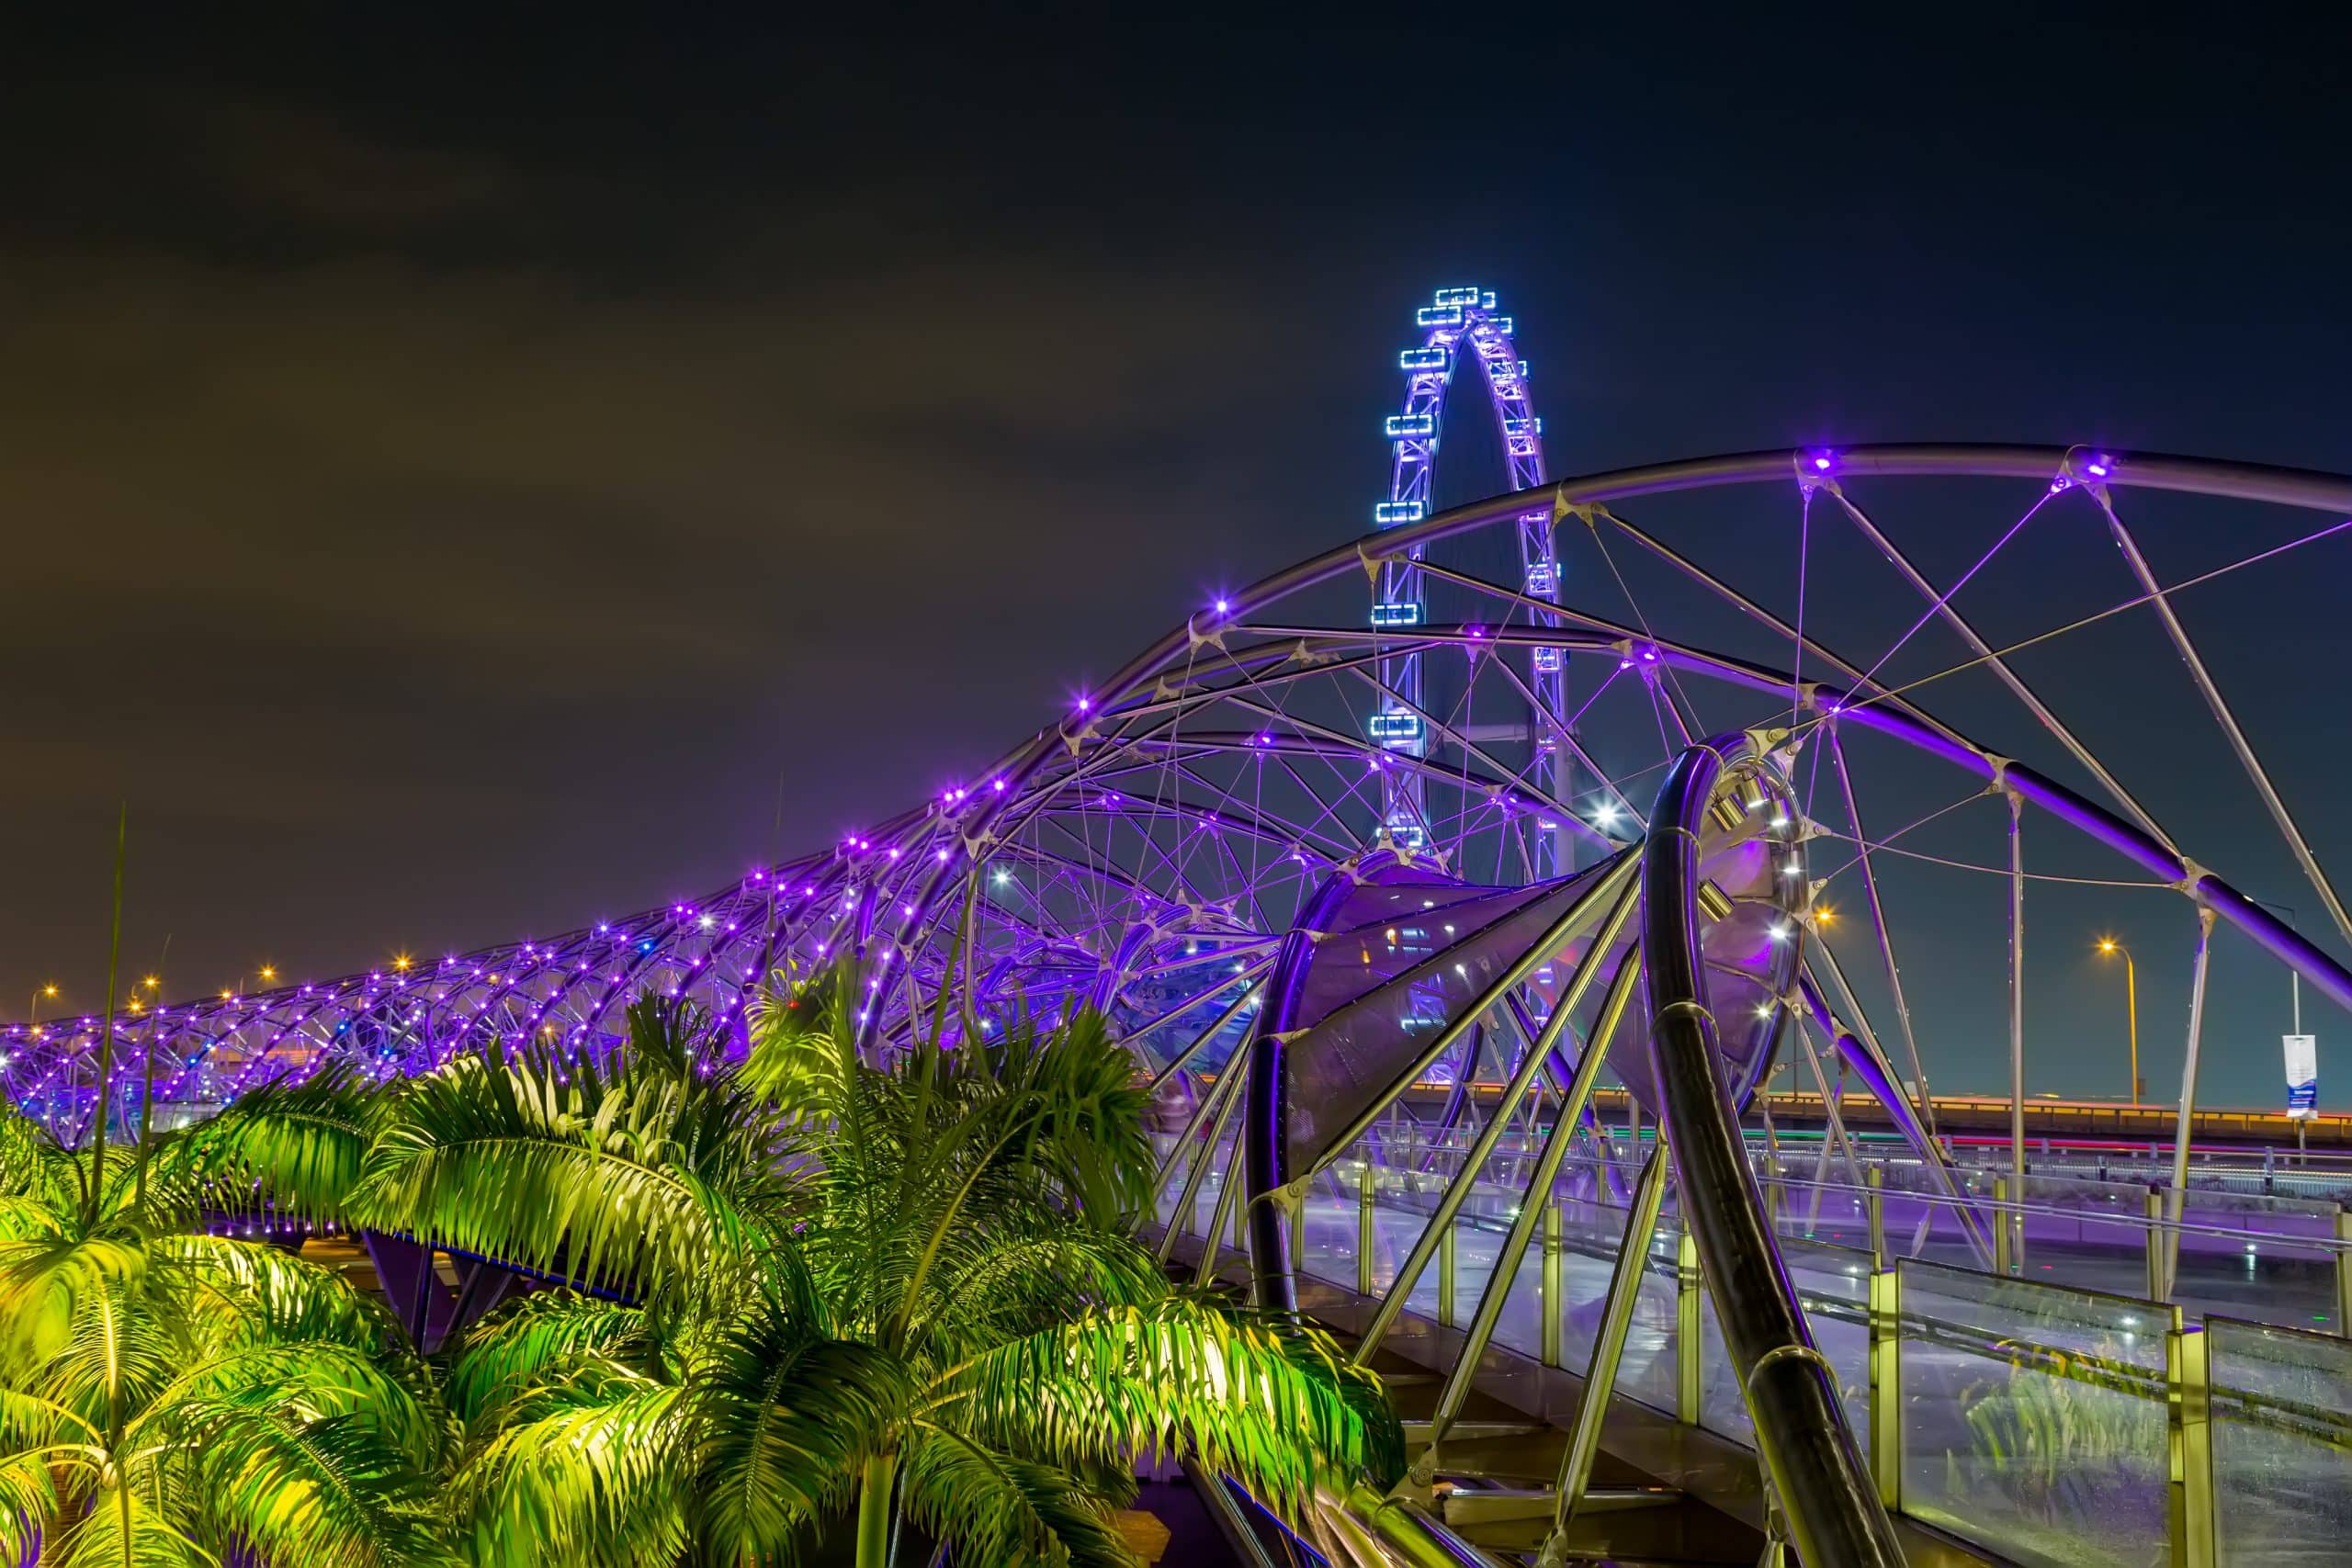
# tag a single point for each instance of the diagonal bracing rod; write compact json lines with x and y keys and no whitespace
{"x":1227,"y":1016}
{"x":1215,"y":1116}
{"x":1458,"y":1190}
{"x":1570,"y":1114}
{"x":1609,"y":887}
{"x":1878,"y":924}
{"x":1992,"y":660}
{"x":2176,"y":1202}
{"x":1609,"y":1343}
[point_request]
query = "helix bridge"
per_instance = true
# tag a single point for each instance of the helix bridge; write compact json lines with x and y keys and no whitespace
{"x":1535,"y":919}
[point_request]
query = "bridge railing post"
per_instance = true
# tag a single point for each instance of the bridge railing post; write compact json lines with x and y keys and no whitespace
{"x":1367,"y":1232}
{"x":2005,"y":1250}
{"x":1445,"y":1276}
{"x":2190,"y":1408}
{"x":2154,"y":1205}
{"x":1690,"y":1319}
{"x":1555,"y":1246}
{"x":1874,"y":1207}
{"x":1886,"y":1383}
{"x":2343,"y":1271}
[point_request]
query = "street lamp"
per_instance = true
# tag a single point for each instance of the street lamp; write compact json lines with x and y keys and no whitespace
{"x":38,"y":992}
{"x":2294,"y":975}
{"x":2132,"y":1004}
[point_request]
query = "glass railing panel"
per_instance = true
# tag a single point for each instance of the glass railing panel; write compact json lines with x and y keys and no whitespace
{"x":2282,"y":1444}
{"x":1922,"y":1222}
{"x":2284,"y":1275}
{"x":1325,"y":1247}
{"x":1163,"y":1204}
{"x":1833,"y":1285}
{"x":2085,"y":1234}
{"x":1592,"y":1233}
{"x":1212,"y":1187}
{"x":1831,"y":1210}
{"x":1520,"y":1327}
{"x":1648,"y":1371}
{"x":1402,"y":1206}
{"x":2035,"y":1419}
{"x":1477,"y":1252}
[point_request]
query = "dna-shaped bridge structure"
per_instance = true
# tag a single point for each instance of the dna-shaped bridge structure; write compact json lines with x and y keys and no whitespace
{"x":1567,"y":809}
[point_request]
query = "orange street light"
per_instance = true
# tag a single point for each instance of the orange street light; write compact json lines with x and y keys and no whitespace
{"x":2108,"y":944}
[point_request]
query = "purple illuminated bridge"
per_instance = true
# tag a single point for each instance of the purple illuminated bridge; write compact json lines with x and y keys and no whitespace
{"x":1592,"y":784}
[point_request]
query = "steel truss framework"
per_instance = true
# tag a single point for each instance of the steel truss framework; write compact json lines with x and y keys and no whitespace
{"x":1147,"y":853}
{"x":1182,"y":851}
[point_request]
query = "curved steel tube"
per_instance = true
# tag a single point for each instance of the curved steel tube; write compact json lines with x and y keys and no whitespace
{"x":2302,"y":488}
{"x":1824,"y":1489}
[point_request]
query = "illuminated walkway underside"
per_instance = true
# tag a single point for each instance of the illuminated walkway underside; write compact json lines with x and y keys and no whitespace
{"x":1635,"y":829}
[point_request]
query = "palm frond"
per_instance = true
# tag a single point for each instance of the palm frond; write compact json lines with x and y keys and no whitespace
{"x":124,"y":1529}
{"x":803,"y":1058}
{"x":992,"y":1508}
{"x":299,"y":1143}
{"x":1084,"y":1112}
{"x":320,"y":1380}
{"x":1264,"y":1402}
{"x":504,"y":1354}
{"x":260,"y":1295}
{"x":787,"y":1419}
{"x":45,"y":1283}
{"x":598,"y":1482}
{"x":631,"y":1179}
{"x":297,"y":1488}
{"x":32,"y":1164}
{"x":29,"y":1500}
{"x":1019,"y":1274}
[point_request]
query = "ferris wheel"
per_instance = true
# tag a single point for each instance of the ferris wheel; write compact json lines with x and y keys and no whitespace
{"x":1463,"y":327}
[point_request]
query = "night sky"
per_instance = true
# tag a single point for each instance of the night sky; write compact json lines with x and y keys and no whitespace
{"x":459,"y":483}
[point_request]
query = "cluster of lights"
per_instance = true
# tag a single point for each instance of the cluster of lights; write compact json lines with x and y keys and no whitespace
{"x":507,"y":993}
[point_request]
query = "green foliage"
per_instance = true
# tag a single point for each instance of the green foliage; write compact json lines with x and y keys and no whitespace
{"x":2069,"y":1436}
{"x":804,"y":1287}
{"x":180,"y":1399}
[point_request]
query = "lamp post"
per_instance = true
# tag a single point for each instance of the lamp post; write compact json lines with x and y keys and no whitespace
{"x":2295,"y":1005}
{"x":38,"y":992}
{"x":2294,"y":975}
{"x":2131,"y":1011}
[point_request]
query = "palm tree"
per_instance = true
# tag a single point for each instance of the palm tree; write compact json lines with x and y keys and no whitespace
{"x":812,"y":1292}
{"x":170,"y":1397}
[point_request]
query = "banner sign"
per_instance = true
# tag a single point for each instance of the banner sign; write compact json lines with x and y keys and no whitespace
{"x":2302,"y":1076}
